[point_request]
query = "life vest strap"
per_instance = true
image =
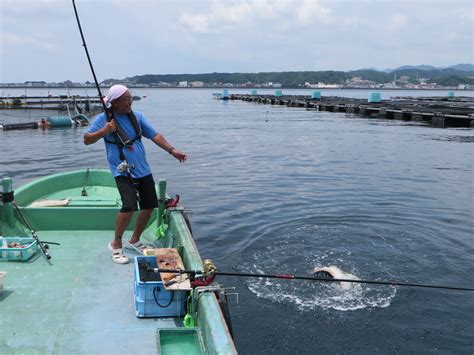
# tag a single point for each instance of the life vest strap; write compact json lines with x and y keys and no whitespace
{"x":123,"y":137}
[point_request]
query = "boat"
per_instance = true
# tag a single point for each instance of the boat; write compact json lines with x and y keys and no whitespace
{"x":62,"y":293}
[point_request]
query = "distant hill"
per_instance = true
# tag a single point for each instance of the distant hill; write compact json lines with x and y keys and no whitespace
{"x":461,"y":67}
{"x":415,"y":67}
{"x":454,"y":75}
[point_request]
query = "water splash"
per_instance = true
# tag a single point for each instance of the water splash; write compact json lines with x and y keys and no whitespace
{"x":300,"y":247}
{"x":308,"y":296}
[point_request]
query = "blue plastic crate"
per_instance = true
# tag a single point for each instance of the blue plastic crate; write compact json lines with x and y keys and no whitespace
{"x":18,"y":254}
{"x":151,"y":297}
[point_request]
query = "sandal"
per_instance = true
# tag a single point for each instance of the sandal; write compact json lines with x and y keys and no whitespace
{"x":117,"y":255}
{"x":139,"y":247}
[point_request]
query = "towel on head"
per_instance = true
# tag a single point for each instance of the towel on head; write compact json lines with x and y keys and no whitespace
{"x":114,"y":93}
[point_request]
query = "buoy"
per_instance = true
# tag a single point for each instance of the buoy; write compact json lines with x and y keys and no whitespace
{"x":316,"y":95}
{"x":59,"y":121}
{"x":81,"y":120}
{"x":374,"y":97}
{"x":15,"y":126}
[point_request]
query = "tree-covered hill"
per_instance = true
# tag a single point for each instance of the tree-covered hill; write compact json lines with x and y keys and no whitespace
{"x":299,"y":78}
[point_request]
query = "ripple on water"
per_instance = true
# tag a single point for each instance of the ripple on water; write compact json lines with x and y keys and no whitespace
{"x":367,"y":249}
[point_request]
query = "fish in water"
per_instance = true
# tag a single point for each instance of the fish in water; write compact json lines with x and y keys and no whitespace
{"x":334,"y":273}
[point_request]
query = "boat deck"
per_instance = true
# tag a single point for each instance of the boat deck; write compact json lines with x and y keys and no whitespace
{"x":79,"y":302}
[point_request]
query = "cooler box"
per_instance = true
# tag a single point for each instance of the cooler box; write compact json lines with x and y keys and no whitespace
{"x":151,"y":297}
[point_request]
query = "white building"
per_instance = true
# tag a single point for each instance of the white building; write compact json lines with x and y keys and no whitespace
{"x":197,"y":84}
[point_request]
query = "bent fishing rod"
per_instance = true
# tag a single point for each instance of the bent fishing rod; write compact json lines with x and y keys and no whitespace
{"x":119,"y":133}
{"x":310,"y":278}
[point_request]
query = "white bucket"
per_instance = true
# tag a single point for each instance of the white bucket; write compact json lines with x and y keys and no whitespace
{"x":2,"y":276}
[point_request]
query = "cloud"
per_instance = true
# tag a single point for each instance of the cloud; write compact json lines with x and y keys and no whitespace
{"x":195,"y":23}
{"x":397,"y":22}
{"x":195,"y":36}
{"x":222,"y":17}
{"x":311,"y":10}
{"x":12,"y":39}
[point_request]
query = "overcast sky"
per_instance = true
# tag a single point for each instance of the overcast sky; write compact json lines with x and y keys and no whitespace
{"x":40,"y":39}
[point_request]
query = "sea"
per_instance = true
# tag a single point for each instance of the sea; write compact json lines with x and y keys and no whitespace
{"x":278,"y":190}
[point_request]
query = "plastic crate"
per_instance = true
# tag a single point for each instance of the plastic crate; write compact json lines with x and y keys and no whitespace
{"x":18,"y":254}
{"x":151,"y":297}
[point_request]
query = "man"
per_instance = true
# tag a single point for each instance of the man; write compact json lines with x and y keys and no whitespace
{"x":128,"y":164}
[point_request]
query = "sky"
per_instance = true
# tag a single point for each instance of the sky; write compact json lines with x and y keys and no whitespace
{"x":40,"y":39}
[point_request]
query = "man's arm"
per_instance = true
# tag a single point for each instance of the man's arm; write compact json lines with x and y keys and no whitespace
{"x":91,"y":138}
{"x":160,"y":141}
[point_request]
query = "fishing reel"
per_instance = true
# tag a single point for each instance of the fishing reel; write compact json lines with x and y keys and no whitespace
{"x":209,"y":267}
{"x":124,"y":167}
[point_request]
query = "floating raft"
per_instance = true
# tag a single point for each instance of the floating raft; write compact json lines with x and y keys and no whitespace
{"x":435,"y":111}
{"x":60,"y":102}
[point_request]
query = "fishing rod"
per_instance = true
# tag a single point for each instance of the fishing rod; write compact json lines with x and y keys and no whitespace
{"x":110,"y":116}
{"x":124,"y":167}
{"x":104,"y":106}
{"x":309,"y":278}
{"x":41,"y":244}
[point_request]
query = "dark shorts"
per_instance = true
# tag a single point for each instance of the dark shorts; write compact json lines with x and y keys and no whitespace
{"x":146,"y":190}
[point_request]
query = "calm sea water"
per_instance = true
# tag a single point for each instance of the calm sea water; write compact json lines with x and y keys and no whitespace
{"x":283,"y":190}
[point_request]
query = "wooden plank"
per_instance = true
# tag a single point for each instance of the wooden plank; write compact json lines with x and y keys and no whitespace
{"x":169,"y":258}
{"x":50,"y":203}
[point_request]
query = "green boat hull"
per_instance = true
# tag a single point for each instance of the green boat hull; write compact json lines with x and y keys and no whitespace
{"x":80,"y":301}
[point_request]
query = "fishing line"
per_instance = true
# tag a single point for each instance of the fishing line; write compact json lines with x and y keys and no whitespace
{"x":311,"y":278}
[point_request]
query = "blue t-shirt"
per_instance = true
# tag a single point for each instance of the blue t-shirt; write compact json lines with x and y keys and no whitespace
{"x":137,"y":156}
